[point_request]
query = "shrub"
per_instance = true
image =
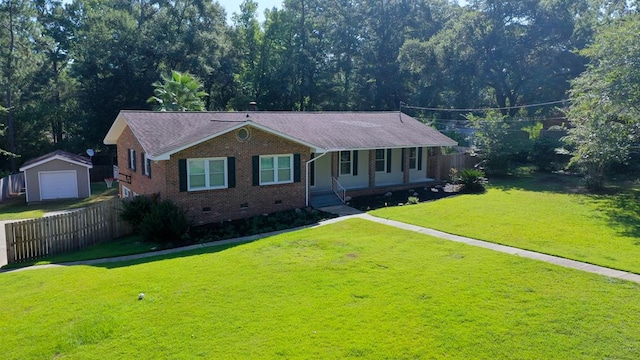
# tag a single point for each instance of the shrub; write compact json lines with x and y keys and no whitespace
{"x":165,"y":224}
{"x":412,"y":200}
{"x":471,"y":181}
{"x":135,"y":209}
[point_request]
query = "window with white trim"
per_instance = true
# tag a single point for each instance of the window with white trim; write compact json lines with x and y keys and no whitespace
{"x":132,"y":159}
{"x":413,"y":158}
{"x":207,"y":174}
{"x":381,"y":160}
{"x":346,"y":162}
{"x":276,"y":169}
{"x":126,"y":192}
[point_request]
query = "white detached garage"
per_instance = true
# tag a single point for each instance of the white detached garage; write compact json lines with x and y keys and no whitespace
{"x":57,"y":175}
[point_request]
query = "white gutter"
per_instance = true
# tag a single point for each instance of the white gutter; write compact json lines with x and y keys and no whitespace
{"x":306,"y":199}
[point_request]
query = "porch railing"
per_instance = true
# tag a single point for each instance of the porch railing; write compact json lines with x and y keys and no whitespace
{"x":338,"y":189}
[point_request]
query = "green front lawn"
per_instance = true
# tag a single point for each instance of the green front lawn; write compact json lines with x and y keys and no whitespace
{"x":17,"y":208}
{"x":542,"y":213}
{"x":355,"y":289}
{"x":128,"y":245}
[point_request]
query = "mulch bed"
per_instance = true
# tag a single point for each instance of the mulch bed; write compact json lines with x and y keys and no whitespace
{"x":403,"y":197}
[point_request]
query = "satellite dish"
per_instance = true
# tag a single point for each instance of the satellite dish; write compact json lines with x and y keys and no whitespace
{"x":90,"y":152}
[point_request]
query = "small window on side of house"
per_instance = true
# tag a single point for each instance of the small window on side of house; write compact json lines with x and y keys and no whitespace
{"x":132,"y":159}
{"x":126,"y":192}
{"x":147,"y":166}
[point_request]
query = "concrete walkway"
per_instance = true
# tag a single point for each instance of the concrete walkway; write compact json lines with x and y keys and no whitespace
{"x":345,"y":212}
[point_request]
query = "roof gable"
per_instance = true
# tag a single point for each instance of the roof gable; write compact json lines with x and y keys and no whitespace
{"x":58,"y":155}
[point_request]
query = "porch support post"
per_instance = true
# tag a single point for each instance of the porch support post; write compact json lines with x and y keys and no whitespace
{"x":372,"y":168}
{"x":335,"y":163}
{"x":405,"y":167}
{"x":437,"y":158}
{"x":307,"y":178}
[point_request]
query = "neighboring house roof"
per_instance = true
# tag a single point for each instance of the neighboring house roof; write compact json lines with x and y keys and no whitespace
{"x":58,"y":155}
{"x":164,"y":133}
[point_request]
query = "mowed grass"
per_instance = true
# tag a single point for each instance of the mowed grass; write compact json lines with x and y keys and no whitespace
{"x":16,"y":208}
{"x":354,"y":289}
{"x":543,"y":214}
{"x":128,"y":245}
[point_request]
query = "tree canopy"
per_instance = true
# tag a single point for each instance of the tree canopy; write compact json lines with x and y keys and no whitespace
{"x":605,"y":101}
{"x":68,"y":68}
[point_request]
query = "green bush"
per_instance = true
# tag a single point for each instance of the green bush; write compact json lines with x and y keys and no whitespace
{"x":472,"y":181}
{"x":166,"y":224}
{"x":135,"y":209}
{"x":412,"y":200}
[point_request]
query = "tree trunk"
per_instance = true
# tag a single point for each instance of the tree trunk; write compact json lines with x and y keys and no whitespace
{"x":9,"y":74}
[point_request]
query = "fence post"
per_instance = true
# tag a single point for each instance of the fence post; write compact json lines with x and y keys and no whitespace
{"x":10,"y":242}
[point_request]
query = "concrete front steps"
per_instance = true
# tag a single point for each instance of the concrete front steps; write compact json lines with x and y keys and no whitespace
{"x":324,"y":199}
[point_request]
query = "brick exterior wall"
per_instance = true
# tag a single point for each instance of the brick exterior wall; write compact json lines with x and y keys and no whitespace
{"x":208,"y":206}
{"x":140,"y":184}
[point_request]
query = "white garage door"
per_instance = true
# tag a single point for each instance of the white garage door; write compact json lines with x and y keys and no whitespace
{"x":58,"y":185}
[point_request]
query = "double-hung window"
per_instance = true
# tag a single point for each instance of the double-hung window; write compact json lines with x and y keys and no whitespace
{"x":346,"y":163}
{"x":413,"y":158}
{"x":146,"y":165}
{"x":132,"y":159}
{"x":207,"y":174}
{"x":276,"y":169}
{"x":381,"y":160}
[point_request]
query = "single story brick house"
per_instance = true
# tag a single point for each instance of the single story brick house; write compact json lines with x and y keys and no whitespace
{"x":230,"y":165}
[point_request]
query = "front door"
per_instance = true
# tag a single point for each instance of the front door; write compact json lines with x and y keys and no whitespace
{"x":321,"y":174}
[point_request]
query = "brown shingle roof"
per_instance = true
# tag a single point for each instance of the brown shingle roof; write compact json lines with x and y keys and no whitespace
{"x":162,"y":133}
{"x":58,"y":154}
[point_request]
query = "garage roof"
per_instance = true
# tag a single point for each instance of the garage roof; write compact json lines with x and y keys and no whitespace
{"x":58,"y":155}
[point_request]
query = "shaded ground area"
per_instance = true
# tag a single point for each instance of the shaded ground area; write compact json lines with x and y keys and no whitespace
{"x":403,"y":197}
{"x":259,"y":224}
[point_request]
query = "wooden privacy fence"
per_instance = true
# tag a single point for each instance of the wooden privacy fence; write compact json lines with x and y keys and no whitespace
{"x":440,"y":165}
{"x":59,"y":234}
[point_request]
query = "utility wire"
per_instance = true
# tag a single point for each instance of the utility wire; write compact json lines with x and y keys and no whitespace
{"x":403,"y":105}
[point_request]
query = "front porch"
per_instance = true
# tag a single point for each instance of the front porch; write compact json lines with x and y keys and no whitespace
{"x":339,"y":175}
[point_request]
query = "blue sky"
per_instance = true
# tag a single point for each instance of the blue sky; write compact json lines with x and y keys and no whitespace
{"x":233,"y":6}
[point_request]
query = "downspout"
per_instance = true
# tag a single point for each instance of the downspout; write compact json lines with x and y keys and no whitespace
{"x":306,"y":199}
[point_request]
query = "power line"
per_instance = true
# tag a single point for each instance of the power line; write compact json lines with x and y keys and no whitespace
{"x":511,"y":120}
{"x":403,"y":105}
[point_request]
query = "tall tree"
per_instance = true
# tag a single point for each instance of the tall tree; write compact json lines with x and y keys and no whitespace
{"x":111,"y":62}
{"x":505,"y":53}
{"x":3,"y":152}
{"x":192,"y":36}
{"x":19,"y":59}
{"x":605,"y":101}
{"x":57,"y":89}
{"x":248,"y":40}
